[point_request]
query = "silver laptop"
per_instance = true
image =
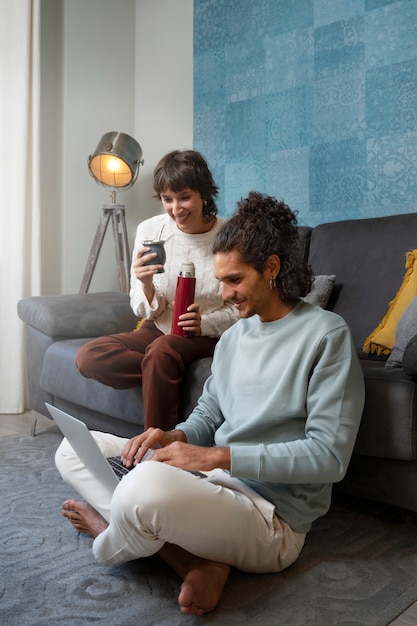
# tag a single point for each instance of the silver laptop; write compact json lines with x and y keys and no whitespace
{"x":110,"y":470}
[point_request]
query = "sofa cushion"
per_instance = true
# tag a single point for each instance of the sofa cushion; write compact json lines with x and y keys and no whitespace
{"x":321,"y":290}
{"x":382,"y":339}
{"x":304,"y":235}
{"x":61,"y":378}
{"x":388,"y":428}
{"x":405,"y":331}
{"x":367,"y":256}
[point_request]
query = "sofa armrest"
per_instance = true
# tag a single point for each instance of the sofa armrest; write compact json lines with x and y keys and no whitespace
{"x":78,"y":315}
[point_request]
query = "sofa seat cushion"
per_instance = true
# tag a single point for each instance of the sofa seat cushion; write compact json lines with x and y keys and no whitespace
{"x":61,"y":378}
{"x":388,"y":428}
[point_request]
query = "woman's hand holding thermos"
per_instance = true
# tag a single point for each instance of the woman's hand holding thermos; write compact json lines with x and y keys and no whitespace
{"x":186,"y":320}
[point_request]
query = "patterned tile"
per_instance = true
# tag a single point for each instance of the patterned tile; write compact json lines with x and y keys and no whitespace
{"x":207,"y":121}
{"x":288,"y":119}
{"x":210,"y":120}
{"x":287,"y":178}
{"x":339,"y":107}
{"x":326,"y":12}
{"x":338,"y":178}
{"x":209,"y":24}
{"x":339,"y":48}
{"x":287,"y":15}
{"x":391,"y":33}
{"x":391,"y":99}
{"x":392,"y":172}
{"x":242,"y":177}
{"x":245,"y":72}
{"x":209,"y":78}
{"x":250,"y":30}
{"x":246,"y":129}
{"x":289,"y":59}
{"x":370,"y":5}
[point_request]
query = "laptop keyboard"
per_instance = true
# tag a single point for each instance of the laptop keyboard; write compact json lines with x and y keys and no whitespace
{"x":117,"y":466}
{"x":121,"y":470}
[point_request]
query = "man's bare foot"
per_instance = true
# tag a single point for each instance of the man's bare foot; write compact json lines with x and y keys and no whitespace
{"x":84,"y":518}
{"x":204,"y":580}
{"x":202,"y":587}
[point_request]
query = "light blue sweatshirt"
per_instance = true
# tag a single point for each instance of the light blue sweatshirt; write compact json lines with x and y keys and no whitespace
{"x":287,"y":398}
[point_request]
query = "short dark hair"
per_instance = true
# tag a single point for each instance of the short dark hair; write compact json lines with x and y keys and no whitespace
{"x":262,"y":226}
{"x":187,"y":169}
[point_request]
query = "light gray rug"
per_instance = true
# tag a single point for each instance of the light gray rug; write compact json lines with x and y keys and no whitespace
{"x":359,"y":565}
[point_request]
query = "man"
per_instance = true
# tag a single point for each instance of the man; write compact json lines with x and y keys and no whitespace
{"x":274,"y":427}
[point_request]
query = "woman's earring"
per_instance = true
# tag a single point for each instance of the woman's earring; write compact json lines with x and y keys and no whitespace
{"x":272,"y":283}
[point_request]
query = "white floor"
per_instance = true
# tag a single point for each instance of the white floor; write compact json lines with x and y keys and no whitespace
{"x":21,"y":423}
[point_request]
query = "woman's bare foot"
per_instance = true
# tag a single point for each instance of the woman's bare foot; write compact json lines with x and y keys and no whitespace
{"x":204,"y":580}
{"x":83,"y":517}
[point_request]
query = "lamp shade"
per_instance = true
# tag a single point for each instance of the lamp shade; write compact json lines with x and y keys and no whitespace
{"x":115,"y":162}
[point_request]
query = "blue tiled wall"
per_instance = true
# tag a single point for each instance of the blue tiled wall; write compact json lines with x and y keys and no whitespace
{"x":312,"y":101}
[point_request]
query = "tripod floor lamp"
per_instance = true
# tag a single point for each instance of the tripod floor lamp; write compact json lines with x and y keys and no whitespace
{"x":115,"y":166}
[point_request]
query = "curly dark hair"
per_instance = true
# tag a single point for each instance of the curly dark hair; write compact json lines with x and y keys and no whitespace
{"x":262,"y":226}
{"x":187,"y":169}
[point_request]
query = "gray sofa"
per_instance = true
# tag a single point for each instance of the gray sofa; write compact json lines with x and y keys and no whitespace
{"x":367,"y":256}
{"x":56,"y":326}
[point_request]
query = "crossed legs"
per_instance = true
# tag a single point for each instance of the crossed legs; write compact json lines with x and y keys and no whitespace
{"x":199,"y":527}
{"x":203,"y":580}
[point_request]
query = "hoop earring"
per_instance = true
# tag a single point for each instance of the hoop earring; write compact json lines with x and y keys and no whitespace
{"x":272,"y":283}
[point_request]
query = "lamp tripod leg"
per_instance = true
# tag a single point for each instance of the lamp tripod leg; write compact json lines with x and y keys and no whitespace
{"x":122,"y":247}
{"x":95,"y":250}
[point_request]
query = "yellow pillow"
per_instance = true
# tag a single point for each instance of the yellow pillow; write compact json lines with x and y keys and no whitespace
{"x":139,"y":324}
{"x":382,"y":339}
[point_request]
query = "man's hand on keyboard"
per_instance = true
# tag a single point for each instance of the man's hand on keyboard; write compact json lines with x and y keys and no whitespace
{"x":151,"y":439}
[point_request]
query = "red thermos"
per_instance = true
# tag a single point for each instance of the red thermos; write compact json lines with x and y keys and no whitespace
{"x":184,"y":296}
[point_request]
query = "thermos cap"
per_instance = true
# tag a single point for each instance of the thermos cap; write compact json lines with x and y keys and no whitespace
{"x":188,"y":270}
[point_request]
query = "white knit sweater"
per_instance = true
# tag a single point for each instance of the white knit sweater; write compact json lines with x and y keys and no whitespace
{"x":180,"y":247}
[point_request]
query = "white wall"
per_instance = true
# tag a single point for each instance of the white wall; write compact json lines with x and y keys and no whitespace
{"x":164,"y":88}
{"x":50,"y":147}
{"x":122,"y":65}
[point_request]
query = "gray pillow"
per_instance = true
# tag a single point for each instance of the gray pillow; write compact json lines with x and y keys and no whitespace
{"x":321,"y":290}
{"x":406,"y":330}
{"x":410,"y":358}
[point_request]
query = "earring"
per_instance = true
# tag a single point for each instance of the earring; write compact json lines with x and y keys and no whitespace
{"x":272,"y":283}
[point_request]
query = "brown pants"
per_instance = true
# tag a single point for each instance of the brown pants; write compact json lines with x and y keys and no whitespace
{"x":149,"y":358}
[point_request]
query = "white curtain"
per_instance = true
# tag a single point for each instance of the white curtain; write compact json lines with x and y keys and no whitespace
{"x":19,"y":187}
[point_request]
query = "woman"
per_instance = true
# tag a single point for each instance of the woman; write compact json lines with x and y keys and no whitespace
{"x":151,"y":356}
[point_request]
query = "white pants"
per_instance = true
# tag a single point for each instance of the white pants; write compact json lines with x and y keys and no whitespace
{"x":217,"y":518}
